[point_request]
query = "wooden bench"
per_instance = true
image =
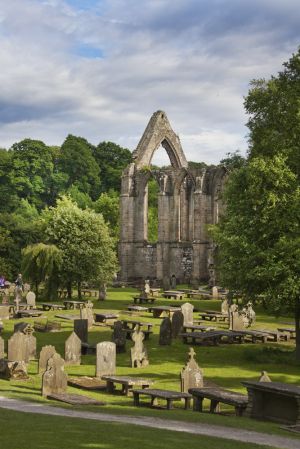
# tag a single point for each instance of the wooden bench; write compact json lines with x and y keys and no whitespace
{"x":127,"y":383}
{"x":143,"y":300}
{"x":217,"y":396}
{"x":104,"y":317}
{"x":211,"y":337}
{"x":135,"y":308}
{"x":51,"y":306}
{"x":73,"y":304}
{"x":167,"y":395}
{"x":197,"y":327}
{"x":213,"y":316}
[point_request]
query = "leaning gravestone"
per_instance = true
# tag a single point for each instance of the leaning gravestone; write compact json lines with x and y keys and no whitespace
{"x":177,"y":323}
{"x":73,"y":350}
{"x":46,"y":353}
{"x":4,"y":312}
{"x":81,"y":329}
{"x":191,"y":375}
{"x":119,"y":336}
{"x":105,"y":359}
{"x":187,"y":310}
{"x":54,"y":379}
{"x":139,"y":356}
{"x":1,"y":348}
{"x":165,"y":333}
{"x":30,"y":299}
{"x":86,"y":313}
{"x":17,"y":347}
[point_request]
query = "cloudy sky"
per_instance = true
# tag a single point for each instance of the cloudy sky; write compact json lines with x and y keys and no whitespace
{"x":100,"y":68}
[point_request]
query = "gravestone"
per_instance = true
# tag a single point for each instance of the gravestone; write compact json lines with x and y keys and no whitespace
{"x":147,"y":287}
{"x":4,"y":312}
{"x":236,"y":321}
{"x":54,"y":380}
{"x":73,"y":350}
{"x":187,"y":310}
{"x":15,"y":370}
{"x":215,"y":292}
{"x":173,"y":282}
{"x":17,"y":347}
{"x":165,"y":332}
{"x":191,"y":374}
{"x":1,"y":348}
{"x":139,"y":356}
{"x":22,"y":327}
{"x":81,"y":329}
{"x":30,"y":342}
{"x":225,"y":307}
{"x":105,"y":359}
{"x":119,"y":336}
{"x":86,"y":313}
{"x":30,"y":299}
{"x":264,"y":377}
{"x":177,"y":323}
{"x":46,"y":353}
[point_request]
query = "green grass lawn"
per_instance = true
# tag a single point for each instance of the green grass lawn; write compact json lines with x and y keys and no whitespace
{"x":32,"y":431}
{"x":226,"y":365}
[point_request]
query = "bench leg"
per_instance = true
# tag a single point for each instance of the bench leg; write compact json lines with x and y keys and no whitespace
{"x":169,"y":404}
{"x":136,"y":399}
{"x":198,"y":404}
{"x":187,"y":403}
{"x":110,"y":386}
{"x":214,"y":406}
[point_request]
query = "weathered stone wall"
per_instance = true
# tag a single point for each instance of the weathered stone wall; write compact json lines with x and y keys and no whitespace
{"x":188,"y":200}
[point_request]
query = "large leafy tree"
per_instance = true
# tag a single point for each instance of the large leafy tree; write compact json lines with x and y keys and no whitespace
{"x":259,"y":236}
{"x":108,"y":205}
{"x":84,"y":240}
{"x":111,"y":159}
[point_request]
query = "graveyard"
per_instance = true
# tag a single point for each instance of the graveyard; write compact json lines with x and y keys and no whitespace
{"x":225,"y":365}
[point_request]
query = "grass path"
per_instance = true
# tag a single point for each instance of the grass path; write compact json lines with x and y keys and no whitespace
{"x":240,"y":435}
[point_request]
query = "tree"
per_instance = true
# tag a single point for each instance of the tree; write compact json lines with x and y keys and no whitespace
{"x":7,"y":191}
{"x":77,"y":161}
{"x":259,"y":239}
{"x":83,"y":238}
{"x":111,"y":159}
{"x":108,"y":204}
{"x":42,"y":263}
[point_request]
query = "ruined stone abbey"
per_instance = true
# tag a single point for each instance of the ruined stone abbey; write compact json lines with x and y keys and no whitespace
{"x":188,"y":201}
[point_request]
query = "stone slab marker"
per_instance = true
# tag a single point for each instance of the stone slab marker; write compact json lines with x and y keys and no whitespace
{"x":81,"y":329}
{"x":165,"y":332}
{"x":177,"y":323}
{"x":105,"y":359}
{"x":1,"y":348}
{"x":54,"y":380}
{"x":191,"y":374}
{"x":17,"y":347}
{"x":73,"y":350}
{"x":187,"y":310}
{"x":119,"y":336}
{"x":46,"y":353}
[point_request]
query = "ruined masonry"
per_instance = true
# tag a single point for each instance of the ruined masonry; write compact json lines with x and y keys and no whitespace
{"x":188,"y":200}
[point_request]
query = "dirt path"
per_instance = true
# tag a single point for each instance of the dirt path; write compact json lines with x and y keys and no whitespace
{"x":229,"y":433}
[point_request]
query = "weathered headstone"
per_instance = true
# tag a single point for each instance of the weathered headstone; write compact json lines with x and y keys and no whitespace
{"x":119,"y":336}
{"x":264,"y":377}
{"x":225,"y":307}
{"x":105,"y":359}
{"x":187,"y":310}
{"x":1,"y":348}
{"x":30,"y":299}
{"x":17,"y":347}
{"x":139,"y":356}
{"x":15,"y":370}
{"x":81,"y":329}
{"x":173,"y":281}
{"x":46,"y":353}
{"x":236,"y":321}
{"x":86,"y":313}
{"x":191,"y":375}
{"x":177,"y":323}
{"x":73,"y":350}
{"x":165,"y":332}
{"x":30,"y":342}
{"x":54,"y":379}
{"x":147,"y":287}
{"x":4,"y":312}
{"x":215,"y":292}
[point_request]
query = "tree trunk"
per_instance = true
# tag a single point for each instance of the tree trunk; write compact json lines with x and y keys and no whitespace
{"x":79,"y":290}
{"x":69,"y":289}
{"x":297,"y":326}
{"x":102,"y":292}
{"x":36,"y":290}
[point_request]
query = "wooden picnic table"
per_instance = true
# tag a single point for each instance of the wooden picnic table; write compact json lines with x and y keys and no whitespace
{"x":263,"y":336}
{"x":51,"y":306}
{"x":135,"y":308}
{"x":213,"y":316}
{"x":129,"y":326}
{"x":217,"y":396}
{"x":157,"y":311}
{"x":143,"y":300}
{"x":168,"y":395}
{"x":127,"y":383}
{"x":197,"y":327}
{"x":212,"y":337}
{"x":104,"y":317}
{"x":173,"y":294}
{"x":69,"y":304}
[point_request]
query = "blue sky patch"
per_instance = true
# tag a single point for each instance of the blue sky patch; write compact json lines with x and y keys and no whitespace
{"x":87,"y":51}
